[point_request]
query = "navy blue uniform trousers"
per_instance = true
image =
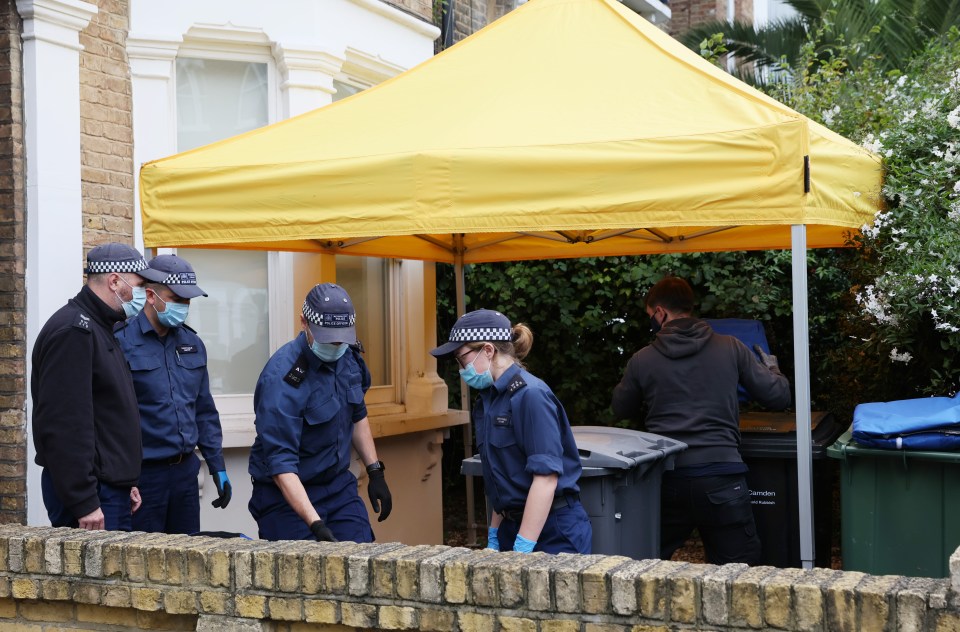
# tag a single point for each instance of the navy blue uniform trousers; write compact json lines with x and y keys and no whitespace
{"x":567,"y":530}
{"x":337,"y":502}
{"x":114,"y":503}
{"x":171,"y":496}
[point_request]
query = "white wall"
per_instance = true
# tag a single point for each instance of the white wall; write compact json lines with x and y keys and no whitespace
{"x":769,"y":10}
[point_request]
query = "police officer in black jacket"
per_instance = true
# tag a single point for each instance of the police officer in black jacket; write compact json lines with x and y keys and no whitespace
{"x":86,"y":424}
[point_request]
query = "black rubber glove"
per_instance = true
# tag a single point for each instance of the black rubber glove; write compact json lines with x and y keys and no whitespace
{"x":224,"y":490}
{"x":769,"y":361}
{"x":380,"y":498}
{"x":321,"y":532}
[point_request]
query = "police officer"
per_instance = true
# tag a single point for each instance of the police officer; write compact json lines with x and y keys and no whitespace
{"x":177,"y":414}
{"x":530,"y":459}
{"x":86,"y":427}
{"x":309,"y":411}
{"x":687,"y":381}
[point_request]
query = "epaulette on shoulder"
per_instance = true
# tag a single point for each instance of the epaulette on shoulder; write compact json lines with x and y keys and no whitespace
{"x":516,"y":384}
{"x":297,"y":372}
{"x":82,"y":322}
{"x":188,"y":327}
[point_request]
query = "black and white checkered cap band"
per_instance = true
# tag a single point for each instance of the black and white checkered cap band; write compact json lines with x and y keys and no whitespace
{"x":102,"y":267}
{"x":330,"y":319}
{"x":180,"y":278}
{"x":478,"y":334}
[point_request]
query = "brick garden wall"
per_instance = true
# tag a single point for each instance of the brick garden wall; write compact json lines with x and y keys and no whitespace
{"x":109,"y":581}
{"x":13,"y":229}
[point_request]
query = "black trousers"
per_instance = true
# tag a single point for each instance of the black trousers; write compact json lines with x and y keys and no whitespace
{"x":718,"y":507}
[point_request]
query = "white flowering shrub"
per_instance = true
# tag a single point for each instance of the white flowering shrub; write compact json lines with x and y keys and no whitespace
{"x":911,"y":281}
{"x":901,"y":329}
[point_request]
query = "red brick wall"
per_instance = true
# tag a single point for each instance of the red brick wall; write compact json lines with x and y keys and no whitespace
{"x":690,"y":13}
{"x":13,"y":455}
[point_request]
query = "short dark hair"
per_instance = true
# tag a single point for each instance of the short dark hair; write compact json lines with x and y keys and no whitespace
{"x":672,"y":294}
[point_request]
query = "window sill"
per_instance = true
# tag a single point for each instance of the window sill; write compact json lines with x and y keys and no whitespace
{"x":386,"y":420}
{"x":393,"y":424}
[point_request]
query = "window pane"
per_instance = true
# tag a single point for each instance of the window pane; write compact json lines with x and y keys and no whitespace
{"x":232,"y":320}
{"x":344,"y":90}
{"x":366,"y":280}
{"x":217,"y":99}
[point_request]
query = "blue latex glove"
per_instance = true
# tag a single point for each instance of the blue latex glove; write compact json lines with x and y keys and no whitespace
{"x":493,"y":542}
{"x":523,"y":545}
{"x":224,"y":489}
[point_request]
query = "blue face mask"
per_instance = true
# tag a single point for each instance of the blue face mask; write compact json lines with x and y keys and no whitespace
{"x":133,"y":307}
{"x":173,"y":314}
{"x":476,"y":380}
{"x":328,"y":351}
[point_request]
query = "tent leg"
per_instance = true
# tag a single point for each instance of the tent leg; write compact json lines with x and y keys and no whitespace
{"x":465,"y":404}
{"x":801,"y":352}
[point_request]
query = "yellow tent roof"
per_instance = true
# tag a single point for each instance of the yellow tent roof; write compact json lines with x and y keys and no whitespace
{"x":568,"y":128}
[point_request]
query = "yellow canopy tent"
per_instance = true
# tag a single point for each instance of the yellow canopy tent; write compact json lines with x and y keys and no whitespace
{"x":569,"y":128}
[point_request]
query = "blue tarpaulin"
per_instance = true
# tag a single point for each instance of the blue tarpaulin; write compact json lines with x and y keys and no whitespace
{"x":929,"y":423}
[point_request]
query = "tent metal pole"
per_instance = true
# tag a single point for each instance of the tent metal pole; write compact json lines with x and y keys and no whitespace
{"x":801,"y":352}
{"x":461,"y":290}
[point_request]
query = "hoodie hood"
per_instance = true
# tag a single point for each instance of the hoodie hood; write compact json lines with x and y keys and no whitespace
{"x":682,"y":337}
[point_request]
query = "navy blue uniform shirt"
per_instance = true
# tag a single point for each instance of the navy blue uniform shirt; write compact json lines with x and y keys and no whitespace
{"x":522,"y":430}
{"x":177,"y":413}
{"x":305,"y":411}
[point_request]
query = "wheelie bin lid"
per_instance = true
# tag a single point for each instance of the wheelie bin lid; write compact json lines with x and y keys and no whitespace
{"x":621,"y":448}
{"x":774,"y":435}
{"x":603,"y":448}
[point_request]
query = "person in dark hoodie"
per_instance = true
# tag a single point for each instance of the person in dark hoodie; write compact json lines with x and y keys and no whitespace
{"x":686,"y":379}
{"x":86,"y":424}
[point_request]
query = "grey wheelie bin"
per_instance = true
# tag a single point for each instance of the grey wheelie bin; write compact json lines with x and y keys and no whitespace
{"x":619,"y":486}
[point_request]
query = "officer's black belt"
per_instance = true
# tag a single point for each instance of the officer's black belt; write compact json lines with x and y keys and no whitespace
{"x":566,"y":500}
{"x":323,"y":479}
{"x":170,"y":460}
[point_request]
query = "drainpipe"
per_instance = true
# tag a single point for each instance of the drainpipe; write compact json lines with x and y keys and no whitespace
{"x":446,"y":24}
{"x":731,"y":18}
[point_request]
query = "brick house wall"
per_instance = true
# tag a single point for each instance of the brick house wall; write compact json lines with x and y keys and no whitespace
{"x":13,"y":453}
{"x":106,"y":127}
{"x":420,"y":8}
{"x":472,"y":15}
{"x":690,"y":13}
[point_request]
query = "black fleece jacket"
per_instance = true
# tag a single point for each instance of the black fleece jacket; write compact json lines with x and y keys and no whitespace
{"x":86,"y":424}
{"x":688,"y":380}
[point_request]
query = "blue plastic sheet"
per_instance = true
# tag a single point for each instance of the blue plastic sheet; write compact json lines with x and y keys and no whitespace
{"x":929,"y":423}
